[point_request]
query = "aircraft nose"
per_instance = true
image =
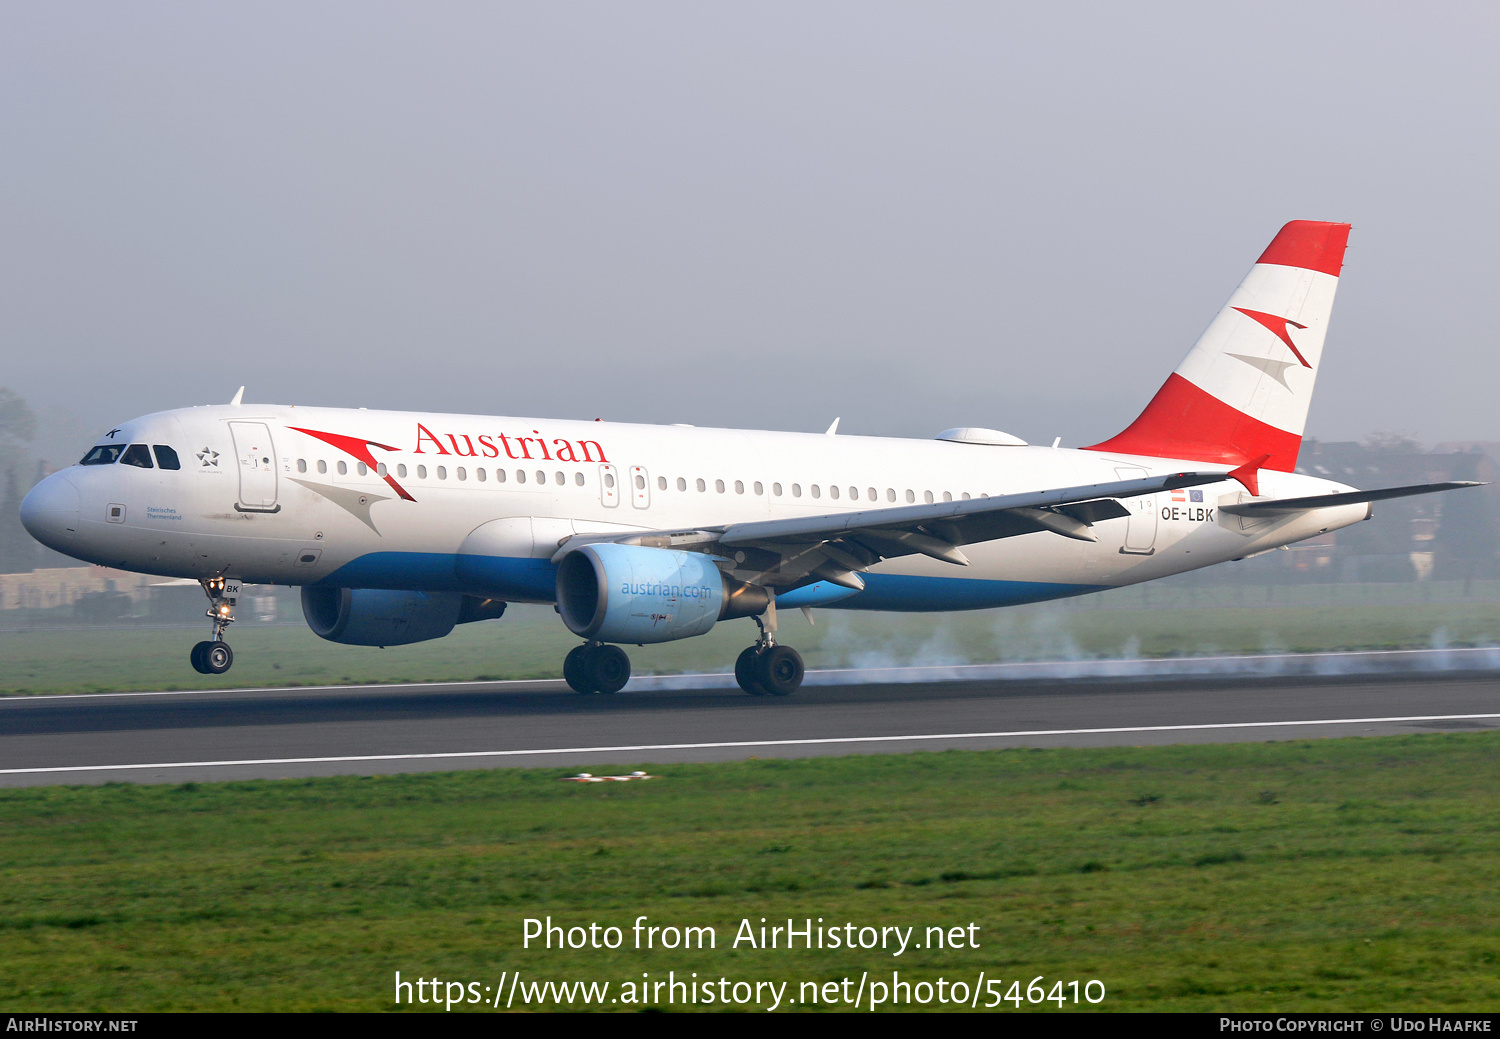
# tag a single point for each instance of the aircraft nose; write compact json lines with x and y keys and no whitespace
{"x":50,"y":511}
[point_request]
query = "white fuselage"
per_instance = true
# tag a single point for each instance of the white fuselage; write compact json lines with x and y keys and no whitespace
{"x":260,"y":499}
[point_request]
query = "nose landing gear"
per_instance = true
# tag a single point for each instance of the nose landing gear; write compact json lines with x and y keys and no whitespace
{"x":596,"y":668}
{"x":214,"y":657}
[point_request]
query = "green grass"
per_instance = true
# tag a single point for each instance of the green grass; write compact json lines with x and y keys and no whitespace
{"x":529,"y":642}
{"x":1354,"y":874}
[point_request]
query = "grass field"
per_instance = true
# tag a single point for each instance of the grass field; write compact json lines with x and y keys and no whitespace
{"x":529,"y":642}
{"x":1354,"y":874}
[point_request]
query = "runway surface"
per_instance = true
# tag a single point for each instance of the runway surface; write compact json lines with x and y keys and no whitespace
{"x":365,"y":730}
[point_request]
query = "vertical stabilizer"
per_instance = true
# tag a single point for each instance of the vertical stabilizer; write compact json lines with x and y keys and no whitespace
{"x":1242,"y":393}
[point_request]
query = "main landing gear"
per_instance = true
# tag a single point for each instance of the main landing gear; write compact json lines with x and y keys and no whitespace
{"x":766,"y":668}
{"x":214,"y":657}
{"x":595,"y":667}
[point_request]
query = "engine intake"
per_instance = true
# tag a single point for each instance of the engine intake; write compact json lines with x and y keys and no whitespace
{"x":626,"y":593}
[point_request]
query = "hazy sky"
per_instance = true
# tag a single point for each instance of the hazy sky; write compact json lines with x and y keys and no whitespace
{"x":912,"y":215}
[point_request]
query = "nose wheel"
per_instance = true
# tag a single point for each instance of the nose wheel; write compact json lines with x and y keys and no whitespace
{"x":214,"y":657}
{"x":596,"y":668}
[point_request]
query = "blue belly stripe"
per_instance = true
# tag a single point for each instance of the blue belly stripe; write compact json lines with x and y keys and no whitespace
{"x":506,"y":577}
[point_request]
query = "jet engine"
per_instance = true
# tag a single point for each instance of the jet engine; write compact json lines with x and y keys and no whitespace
{"x":626,"y":593}
{"x":377,"y":617}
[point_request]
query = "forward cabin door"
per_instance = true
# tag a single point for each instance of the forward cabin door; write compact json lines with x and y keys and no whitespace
{"x":257,"y":463}
{"x":1140,"y":528}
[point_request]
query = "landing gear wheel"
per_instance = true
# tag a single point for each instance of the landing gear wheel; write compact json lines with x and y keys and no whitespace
{"x":780,"y":670}
{"x":196,"y":656}
{"x":608,"y":668}
{"x":575,"y":670}
{"x":217,"y":658}
{"x":745,"y":671}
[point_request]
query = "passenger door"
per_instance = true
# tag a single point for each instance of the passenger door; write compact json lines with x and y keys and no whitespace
{"x":256,"y":456}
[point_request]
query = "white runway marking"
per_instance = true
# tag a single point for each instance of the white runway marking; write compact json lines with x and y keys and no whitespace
{"x":743,"y":743}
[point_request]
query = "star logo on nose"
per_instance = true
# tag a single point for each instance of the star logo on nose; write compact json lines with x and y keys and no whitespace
{"x":208,"y":456}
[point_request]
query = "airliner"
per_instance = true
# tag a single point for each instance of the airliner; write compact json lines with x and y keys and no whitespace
{"x":398,"y":526}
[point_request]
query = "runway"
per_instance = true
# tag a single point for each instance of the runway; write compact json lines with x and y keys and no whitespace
{"x":363,"y":730}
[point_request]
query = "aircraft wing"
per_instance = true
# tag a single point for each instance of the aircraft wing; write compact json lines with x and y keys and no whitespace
{"x":836,"y":546}
{"x":1324,"y":501}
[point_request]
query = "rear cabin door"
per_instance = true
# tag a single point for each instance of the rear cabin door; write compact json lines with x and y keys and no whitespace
{"x":1140,"y":528}
{"x":257,"y":463}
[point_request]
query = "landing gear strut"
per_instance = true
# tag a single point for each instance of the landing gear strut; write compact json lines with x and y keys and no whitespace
{"x":766,"y":668}
{"x":596,"y":668}
{"x":214,"y":657}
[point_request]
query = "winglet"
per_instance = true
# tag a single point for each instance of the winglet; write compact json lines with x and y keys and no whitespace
{"x":239,"y":395}
{"x":1247,"y":474}
{"x":833,"y":428}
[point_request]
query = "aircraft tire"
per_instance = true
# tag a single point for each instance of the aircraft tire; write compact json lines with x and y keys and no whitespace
{"x":196,"y":656}
{"x":780,"y":670}
{"x":576,"y":671}
{"x":745,"y":670}
{"x":608,"y":668}
{"x":218,"y":658}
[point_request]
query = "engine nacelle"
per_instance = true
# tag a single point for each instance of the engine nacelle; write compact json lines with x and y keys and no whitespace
{"x":626,"y":593}
{"x":377,"y":617}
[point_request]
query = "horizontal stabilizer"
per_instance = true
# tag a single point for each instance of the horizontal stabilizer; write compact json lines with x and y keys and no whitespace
{"x":1327,"y":501}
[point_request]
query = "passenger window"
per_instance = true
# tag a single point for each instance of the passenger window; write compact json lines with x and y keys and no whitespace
{"x":911,"y":495}
{"x":462,"y":473}
{"x":890,"y":494}
{"x":362,"y":469}
{"x":578,"y":479}
{"x":927,"y":497}
{"x":816,"y":491}
{"x":302,"y":465}
{"x":541,"y":477}
{"x":719,"y":486}
{"x":166,"y":458}
{"x":966,"y":495}
{"x":947,"y":495}
{"x":137,"y":455}
{"x":854,"y":494}
{"x":701,"y":485}
{"x":776,"y":489}
{"x":322,"y":466}
{"x":833,"y":492}
{"x":874,"y":494}
{"x":401,"y":470}
{"x":759,"y":487}
{"x":681,"y":484}
{"x":520,"y":476}
{"x":104,"y":454}
{"x":661,"y":483}
{"x":640,"y":482}
{"x":739,"y":487}
{"x":380,"y":469}
{"x":481,"y":475}
{"x":562,"y":479}
{"x":421,"y":472}
{"x":343,"y":468}
{"x":442,"y":472}
{"x":796,"y":490}
{"x":499,"y":475}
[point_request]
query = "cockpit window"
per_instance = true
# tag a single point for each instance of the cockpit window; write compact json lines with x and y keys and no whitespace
{"x":166,"y":458}
{"x":104,"y":454}
{"x":137,"y":454}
